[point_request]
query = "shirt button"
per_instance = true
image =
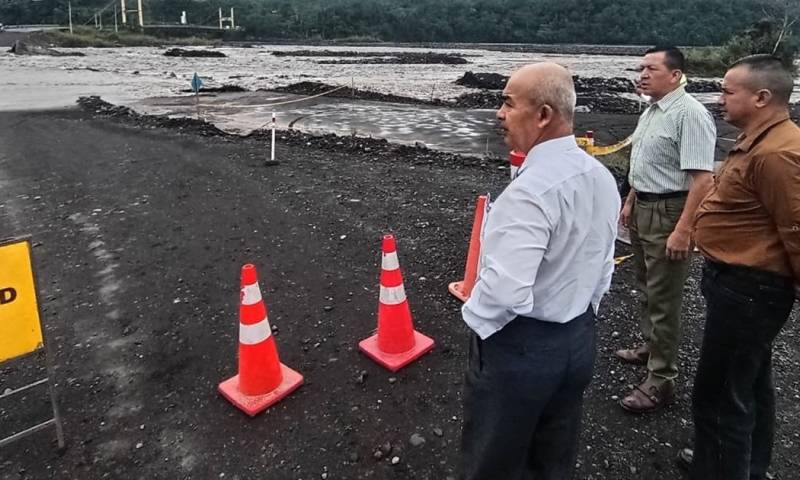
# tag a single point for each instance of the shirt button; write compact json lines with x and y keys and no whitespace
{"x":795,"y":228}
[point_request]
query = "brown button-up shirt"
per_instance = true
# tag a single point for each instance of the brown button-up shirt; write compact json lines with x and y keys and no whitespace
{"x":751,"y":217}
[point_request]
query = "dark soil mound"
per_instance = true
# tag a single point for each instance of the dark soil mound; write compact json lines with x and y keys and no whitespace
{"x":482,"y":99}
{"x":428,"y":58}
{"x":330,"y":53}
{"x":20,"y":47}
{"x":180,"y":52}
{"x":610,"y":104}
{"x":703,"y":86}
{"x":488,"y":81}
{"x":602,"y":85}
{"x":410,"y":58}
{"x":315,"y":88}
{"x":496,"y":81}
{"x":222,"y":89}
{"x":101,"y":107}
{"x":598,"y":103}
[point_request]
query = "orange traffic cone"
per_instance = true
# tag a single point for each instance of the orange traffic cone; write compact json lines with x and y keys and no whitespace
{"x":262,"y":380}
{"x":516,"y":159}
{"x":397,"y":343}
{"x":463,"y":289}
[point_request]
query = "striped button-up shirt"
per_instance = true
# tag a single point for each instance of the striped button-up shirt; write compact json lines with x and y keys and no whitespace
{"x":674,"y":135}
{"x":547,"y":248}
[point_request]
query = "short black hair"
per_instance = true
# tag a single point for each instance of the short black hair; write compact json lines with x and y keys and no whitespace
{"x":769,"y":73}
{"x":673,"y":58}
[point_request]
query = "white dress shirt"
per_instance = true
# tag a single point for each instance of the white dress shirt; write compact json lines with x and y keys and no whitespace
{"x":547,"y":246}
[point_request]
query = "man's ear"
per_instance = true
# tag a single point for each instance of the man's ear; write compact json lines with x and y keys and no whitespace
{"x":545,"y":114}
{"x":763,"y":98}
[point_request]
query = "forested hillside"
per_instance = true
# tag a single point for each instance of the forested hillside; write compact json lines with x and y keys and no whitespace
{"x":684,"y":22}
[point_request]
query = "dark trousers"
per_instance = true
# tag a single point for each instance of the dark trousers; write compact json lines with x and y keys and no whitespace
{"x":733,"y":402}
{"x":523,"y":399}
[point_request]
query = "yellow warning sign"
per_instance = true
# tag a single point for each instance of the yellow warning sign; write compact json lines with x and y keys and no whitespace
{"x":20,"y":330}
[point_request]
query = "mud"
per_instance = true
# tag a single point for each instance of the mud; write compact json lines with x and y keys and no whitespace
{"x":496,"y":81}
{"x":316,"y":88}
{"x":597,"y":103}
{"x":20,"y":47}
{"x":376,"y":58}
{"x":222,"y":89}
{"x":185,"y":53}
{"x":404,"y":59}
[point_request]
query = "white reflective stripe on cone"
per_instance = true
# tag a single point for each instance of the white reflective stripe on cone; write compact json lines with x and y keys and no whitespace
{"x":251,"y":294}
{"x":255,"y":333}
{"x":390,"y":261}
{"x":393,"y":295}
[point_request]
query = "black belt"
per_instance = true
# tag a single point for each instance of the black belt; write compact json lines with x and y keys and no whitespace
{"x":750,"y":275}
{"x":654,"y":197}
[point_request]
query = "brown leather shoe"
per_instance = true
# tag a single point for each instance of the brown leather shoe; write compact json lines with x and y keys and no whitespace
{"x":648,"y":397}
{"x":637,"y":356}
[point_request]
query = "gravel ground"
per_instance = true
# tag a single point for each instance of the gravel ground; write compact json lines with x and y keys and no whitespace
{"x":140,"y":230}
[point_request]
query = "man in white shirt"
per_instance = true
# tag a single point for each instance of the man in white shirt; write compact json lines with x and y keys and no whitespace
{"x":547,"y":255}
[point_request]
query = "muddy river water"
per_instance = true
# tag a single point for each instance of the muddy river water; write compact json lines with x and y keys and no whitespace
{"x":149,"y":82}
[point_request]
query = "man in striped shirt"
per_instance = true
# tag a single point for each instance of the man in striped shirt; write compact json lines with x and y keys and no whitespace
{"x":670,"y":173}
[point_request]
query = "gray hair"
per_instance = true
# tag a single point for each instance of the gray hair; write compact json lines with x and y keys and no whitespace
{"x":766,"y":72}
{"x":559,"y":93}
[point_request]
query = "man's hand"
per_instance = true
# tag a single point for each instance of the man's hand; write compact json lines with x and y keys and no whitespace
{"x":625,"y":214}
{"x":627,"y":209}
{"x":679,"y":244}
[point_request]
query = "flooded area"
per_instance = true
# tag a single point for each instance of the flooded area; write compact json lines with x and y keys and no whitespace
{"x":130,"y":74}
{"x":149,"y":82}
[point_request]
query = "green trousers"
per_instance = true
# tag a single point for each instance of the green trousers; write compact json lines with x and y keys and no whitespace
{"x":661,"y":280}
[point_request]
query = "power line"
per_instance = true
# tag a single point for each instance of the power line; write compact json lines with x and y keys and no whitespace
{"x":100,"y":12}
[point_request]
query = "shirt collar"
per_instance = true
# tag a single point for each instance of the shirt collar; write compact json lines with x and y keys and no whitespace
{"x":546,"y":149}
{"x":745,"y":142}
{"x":669,"y":99}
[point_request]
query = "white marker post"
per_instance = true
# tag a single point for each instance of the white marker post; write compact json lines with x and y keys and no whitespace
{"x":272,"y":154}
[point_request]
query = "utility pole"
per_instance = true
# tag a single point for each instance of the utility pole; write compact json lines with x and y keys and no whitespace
{"x":233,"y":25}
{"x":124,"y":13}
{"x":69,"y":9}
{"x":141,"y":15}
{"x":116,"y":26}
{"x":220,"y":18}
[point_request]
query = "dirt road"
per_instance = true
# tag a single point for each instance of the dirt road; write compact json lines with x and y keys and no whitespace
{"x":139,"y":235}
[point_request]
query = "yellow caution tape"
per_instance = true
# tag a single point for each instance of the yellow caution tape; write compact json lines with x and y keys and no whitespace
{"x":600,"y":150}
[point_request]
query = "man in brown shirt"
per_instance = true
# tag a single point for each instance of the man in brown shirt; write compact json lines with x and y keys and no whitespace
{"x":748,"y":229}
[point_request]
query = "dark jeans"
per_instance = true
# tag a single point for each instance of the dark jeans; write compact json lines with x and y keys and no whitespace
{"x":733,"y":401}
{"x":523,"y":399}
